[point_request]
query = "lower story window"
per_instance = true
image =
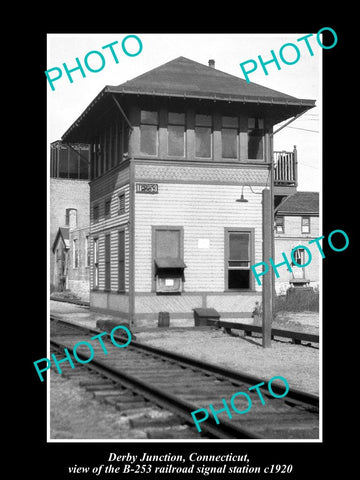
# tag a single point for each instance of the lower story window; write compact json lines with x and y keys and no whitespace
{"x":299,"y":256}
{"x":121,"y":261}
{"x":107,"y":262}
{"x":75,"y":253}
{"x":168,"y":259}
{"x":96,"y":263}
{"x":238,"y":260}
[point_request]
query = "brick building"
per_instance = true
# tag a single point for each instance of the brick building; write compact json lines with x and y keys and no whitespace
{"x":69,"y":217}
{"x":180,"y":157}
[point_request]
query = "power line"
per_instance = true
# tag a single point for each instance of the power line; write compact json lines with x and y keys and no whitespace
{"x":306,"y":129}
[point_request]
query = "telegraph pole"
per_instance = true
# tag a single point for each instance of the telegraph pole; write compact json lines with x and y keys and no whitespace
{"x":267,"y":286}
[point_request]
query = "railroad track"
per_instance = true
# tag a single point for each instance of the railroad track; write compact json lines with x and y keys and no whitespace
{"x":140,"y":375}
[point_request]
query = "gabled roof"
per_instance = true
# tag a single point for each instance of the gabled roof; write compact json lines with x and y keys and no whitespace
{"x":62,"y":234}
{"x":184,"y":77}
{"x":300,"y":203}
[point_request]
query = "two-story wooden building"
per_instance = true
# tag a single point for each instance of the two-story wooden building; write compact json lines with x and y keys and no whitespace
{"x":179,"y":158}
{"x":296,"y":224}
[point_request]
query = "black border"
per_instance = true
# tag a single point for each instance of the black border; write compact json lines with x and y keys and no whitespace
{"x":50,"y":460}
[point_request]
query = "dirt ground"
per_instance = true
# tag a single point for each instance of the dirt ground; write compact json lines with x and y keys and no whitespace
{"x":299,"y":364}
{"x":71,"y":406}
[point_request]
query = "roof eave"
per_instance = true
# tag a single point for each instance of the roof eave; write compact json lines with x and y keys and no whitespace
{"x":89,"y":108}
{"x":297,"y":214}
{"x":304,"y":103}
{"x":220,"y":97}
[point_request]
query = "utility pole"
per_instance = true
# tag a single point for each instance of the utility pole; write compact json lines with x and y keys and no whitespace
{"x":267,"y":286}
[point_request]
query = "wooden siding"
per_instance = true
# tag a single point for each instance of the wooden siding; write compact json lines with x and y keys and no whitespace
{"x":292,"y":227}
{"x":291,"y":238}
{"x":204,"y":211}
{"x":213,"y":174}
{"x":114,"y":179}
{"x":108,"y":188}
{"x":114,"y":259}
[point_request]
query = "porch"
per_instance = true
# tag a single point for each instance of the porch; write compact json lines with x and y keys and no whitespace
{"x":285,"y":172}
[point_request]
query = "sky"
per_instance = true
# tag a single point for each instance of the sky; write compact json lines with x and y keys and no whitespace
{"x":302,"y":79}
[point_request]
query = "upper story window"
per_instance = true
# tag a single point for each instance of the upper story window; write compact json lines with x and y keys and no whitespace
{"x":96,"y":213}
{"x":121,"y":198}
{"x":305,"y":224}
{"x":279,"y":224}
{"x":203,"y":133}
{"x":255,"y":139}
{"x":176,"y":134}
{"x":229,"y":137}
{"x":107,"y":207}
{"x":149,"y":132}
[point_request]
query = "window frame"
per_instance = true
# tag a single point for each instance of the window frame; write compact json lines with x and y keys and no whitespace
{"x":303,"y":225}
{"x":87,"y":251}
{"x":154,"y":229}
{"x":107,"y":207}
{"x":233,"y":128}
{"x":176,"y":123}
{"x":227,"y":232}
{"x":121,"y":209}
{"x":96,"y":263}
{"x":122,"y":270}
{"x":250,"y":129}
{"x":107,"y":262}
{"x":299,"y":254}
{"x":282,"y":224}
{"x":96,"y":207}
{"x":150,"y":123}
{"x":203,"y":124}
{"x":75,"y":254}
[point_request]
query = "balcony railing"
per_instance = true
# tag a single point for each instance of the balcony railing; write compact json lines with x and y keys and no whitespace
{"x":285,"y":168}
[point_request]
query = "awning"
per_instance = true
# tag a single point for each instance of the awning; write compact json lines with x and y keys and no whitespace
{"x":168,"y":262}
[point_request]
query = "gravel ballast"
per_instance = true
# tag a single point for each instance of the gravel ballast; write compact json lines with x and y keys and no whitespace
{"x":71,"y":406}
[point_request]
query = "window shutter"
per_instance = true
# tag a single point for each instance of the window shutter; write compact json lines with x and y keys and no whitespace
{"x":121,"y":261}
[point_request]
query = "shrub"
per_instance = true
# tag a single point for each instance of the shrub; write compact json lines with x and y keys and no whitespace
{"x":297,"y":300}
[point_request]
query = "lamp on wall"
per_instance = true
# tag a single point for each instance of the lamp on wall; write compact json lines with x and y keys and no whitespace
{"x":242,"y":198}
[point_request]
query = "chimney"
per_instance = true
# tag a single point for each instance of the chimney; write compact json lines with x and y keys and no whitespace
{"x":212,"y":63}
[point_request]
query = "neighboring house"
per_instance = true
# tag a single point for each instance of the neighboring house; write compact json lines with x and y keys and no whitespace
{"x":60,"y":249}
{"x":69,"y":216}
{"x":72,"y":258}
{"x":180,"y":157}
{"x":297,"y":223}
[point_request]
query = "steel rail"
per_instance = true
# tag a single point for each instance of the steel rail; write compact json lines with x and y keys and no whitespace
{"x":175,"y":401}
{"x":294,"y":394}
{"x":166,"y":400}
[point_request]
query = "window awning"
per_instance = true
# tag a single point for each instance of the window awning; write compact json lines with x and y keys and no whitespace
{"x":169,"y":262}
